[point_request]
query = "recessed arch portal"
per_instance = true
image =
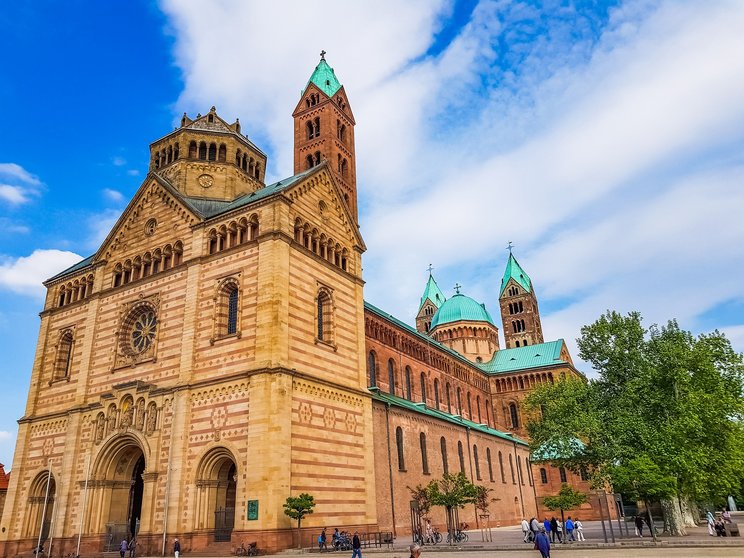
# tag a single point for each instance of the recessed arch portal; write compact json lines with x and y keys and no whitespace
{"x":120,"y":488}
{"x":216,"y":489}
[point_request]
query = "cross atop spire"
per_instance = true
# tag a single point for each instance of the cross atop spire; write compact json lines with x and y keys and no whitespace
{"x":510,"y":247}
{"x":457,"y":288}
{"x":322,"y":54}
{"x":429,"y":269}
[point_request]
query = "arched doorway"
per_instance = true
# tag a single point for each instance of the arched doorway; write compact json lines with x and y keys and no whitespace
{"x":120,"y":490}
{"x":216,"y":494}
{"x":39,"y":517}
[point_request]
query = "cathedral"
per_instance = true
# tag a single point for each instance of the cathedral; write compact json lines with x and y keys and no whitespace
{"x":216,"y":355}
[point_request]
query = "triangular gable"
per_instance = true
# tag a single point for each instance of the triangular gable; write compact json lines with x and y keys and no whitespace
{"x":153,"y":186}
{"x":347,"y":111}
{"x":312,"y":88}
{"x":299,"y":187}
{"x":217,"y":124}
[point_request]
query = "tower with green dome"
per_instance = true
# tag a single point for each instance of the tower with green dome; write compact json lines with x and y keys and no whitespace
{"x":464,"y":325}
{"x":431,"y":300}
{"x":324,"y":131}
{"x":519,"y":311}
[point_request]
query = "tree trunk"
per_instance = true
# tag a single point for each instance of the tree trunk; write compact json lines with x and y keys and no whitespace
{"x":688,"y":510}
{"x":299,"y":534}
{"x":650,"y":517}
{"x":673,"y":516}
{"x":563,"y":534}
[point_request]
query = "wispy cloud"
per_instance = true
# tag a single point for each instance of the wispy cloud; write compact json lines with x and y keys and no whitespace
{"x":17,"y":172}
{"x":133,"y":172}
{"x":607,"y":146}
{"x":24,"y":275}
{"x":99,"y":226}
{"x":113,"y":195}
{"x":118,"y":161}
{"x":19,"y":186}
{"x":7,"y":226}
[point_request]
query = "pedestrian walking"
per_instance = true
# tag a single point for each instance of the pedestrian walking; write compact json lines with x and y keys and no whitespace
{"x":525,"y":531}
{"x":639,"y":526}
{"x":176,"y":548}
{"x":711,"y":523}
{"x":570,"y":529}
{"x":132,"y":547}
{"x":534,"y":527}
{"x":542,"y":543}
{"x":579,"y":530}
{"x":123,"y":548}
{"x":356,"y":546}
{"x":322,"y":541}
{"x":553,"y":528}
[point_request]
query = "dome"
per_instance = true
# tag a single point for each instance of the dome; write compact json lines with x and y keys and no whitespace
{"x":460,"y":308}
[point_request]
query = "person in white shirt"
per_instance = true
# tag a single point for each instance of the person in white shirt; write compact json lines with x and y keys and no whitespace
{"x":579,"y":530}
{"x":525,"y":530}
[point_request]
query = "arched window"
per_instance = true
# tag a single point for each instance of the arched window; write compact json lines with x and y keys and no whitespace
{"x":222,"y":156}
{"x":501,"y":468}
{"x":475,"y":461}
{"x":324,"y":318}
{"x":443,"y":447}
{"x":529,"y":472}
{"x":192,"y":150}
{"x":543,"y":475}
{"x":436,"y":393}
{"x":459,"y":401}
{"x":511,"y":468}
{"x":477,"y":404}
{"x":562,"y":473}
{"x":449,"y":402}
{"x":490,"y":465}
{"x":514,"y":415}
{"x":203,"y":150}
{"x":399,"y":444}
{"x":228,"y":308}
{"x":520,"y":473}
{"x":423,"y":387}
{"x":372,"y":369}
{"x":408,"y":383}
{"x":212,"y":152}
{"x":584,"y":474}
{"x":310,"y":129}
{"x":470,"y":407}
{"x":391,"y":376}
{"x":424,"y":459}
{"x":64,"y":356}
{"x":461,"y":457}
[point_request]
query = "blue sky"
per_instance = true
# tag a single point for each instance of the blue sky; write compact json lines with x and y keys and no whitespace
{"x":605,"y":139}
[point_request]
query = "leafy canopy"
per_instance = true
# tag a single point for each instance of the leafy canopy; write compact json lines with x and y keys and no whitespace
{"x":297,"y":507}
{"x":566,"y":499}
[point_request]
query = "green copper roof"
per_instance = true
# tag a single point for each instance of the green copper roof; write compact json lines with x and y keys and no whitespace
{"x":560,"y":449}
{"x":521,"y":358}
{"x":459,"y":308}
{"x":421,"y":408}
{"x":514,"y":271}
{"x":325,"y":78}
{"x":433,"y":293}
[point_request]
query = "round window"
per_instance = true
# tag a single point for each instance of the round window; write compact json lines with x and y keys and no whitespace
{"x":141,"y":334}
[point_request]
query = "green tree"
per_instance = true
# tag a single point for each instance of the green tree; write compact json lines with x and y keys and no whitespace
{"x":297,"y":507}
{"x":662,"y":396}
{"x":452,"y":492}
{"x":420,"y":495}
{"x":566,"y":499}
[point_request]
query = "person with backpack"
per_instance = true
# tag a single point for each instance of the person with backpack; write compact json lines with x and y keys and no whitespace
{"x":542,"y":543}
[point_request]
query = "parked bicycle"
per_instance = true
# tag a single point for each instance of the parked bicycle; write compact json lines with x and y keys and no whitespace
{"x":435,"y":537}
{"x":460,"y":535}
{"x":250,"y":550}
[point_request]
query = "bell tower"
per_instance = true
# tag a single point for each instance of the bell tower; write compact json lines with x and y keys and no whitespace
{"x":519,"y":312}
{"x":324,"y":131}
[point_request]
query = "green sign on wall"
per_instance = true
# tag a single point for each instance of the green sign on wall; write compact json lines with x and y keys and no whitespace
{"x":252,"y":509}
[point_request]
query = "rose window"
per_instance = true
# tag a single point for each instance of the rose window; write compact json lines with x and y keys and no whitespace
{"x":143,"y":331}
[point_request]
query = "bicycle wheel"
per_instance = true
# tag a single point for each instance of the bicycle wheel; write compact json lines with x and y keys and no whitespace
{"x":464,"y":537}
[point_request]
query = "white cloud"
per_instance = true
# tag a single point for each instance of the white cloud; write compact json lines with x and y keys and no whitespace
{"x":133,"y":172}
{"x":5,"y":435}
{"x":15,"y":195}
{"x":613,"y":161}
{"x":118,"y":161}
{"x":24,"y":275}
{"x":21,"y":186}
{"x":8,"y":226}
{"x":113,"y":195}
{"x":100,"y":226}
{"x":17,"y":172}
